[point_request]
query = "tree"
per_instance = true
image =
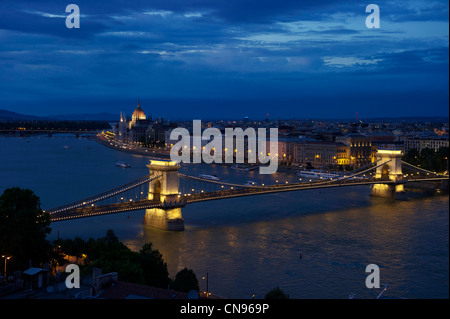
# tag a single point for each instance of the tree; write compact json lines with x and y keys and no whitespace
{"x":185,"y":280}
{"x":23,"y":228}
{"x":428,"y":158}
{"x":111,"y":255}
{"x":276,"y":293}
{"x":412,"y":157}
{"x":110,"y":238}
{"x":154,"y":267}
{"x":443,"y":155}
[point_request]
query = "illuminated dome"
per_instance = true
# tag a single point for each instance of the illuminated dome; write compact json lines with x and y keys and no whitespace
{"x":138,"y":114}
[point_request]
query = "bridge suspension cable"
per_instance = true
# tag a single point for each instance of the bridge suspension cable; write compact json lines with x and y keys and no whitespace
{"x":104,"y":195}
{"x":213,"y":181}
{"x":370,"y":165}
{"x":421,"y":169}
{"x":131,"y":196}
{"x":356,"y":173}
{"x":344,"y":178}
{"x":374,"y":167}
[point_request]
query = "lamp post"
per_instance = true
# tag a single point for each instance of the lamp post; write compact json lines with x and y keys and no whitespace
{"x":6,"y":258}
{"x":207,"y":291}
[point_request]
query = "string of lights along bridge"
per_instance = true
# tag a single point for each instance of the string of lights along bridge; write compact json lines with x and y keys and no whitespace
{"x":164,"y":191}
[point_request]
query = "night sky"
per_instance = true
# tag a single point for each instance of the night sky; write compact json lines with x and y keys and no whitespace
{"x":226,"y":58}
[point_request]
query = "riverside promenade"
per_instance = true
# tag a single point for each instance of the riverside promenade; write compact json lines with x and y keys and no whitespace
{"x":138,"y":150}
{"x":158,"y":153}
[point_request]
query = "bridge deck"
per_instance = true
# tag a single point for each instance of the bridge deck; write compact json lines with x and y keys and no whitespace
{"x":82,"y":212}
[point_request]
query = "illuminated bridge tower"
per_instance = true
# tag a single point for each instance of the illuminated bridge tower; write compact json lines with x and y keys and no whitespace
{"x":164,"y":189}
{"x":390,"y":172}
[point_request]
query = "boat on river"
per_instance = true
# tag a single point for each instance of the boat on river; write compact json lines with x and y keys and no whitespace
{"x":244,"y":167}
{"x":122,"y":164}
{"x":316,"y":174}
{"x":211,"y":177}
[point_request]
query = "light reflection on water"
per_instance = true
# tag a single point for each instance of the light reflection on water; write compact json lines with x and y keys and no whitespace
{"x":250,"y":245}
{"x":335,"y":246}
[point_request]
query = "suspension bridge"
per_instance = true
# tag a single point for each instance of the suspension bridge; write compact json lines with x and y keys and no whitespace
{"x":164,"y":191}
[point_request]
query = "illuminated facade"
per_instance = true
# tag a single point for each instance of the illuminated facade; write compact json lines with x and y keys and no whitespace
{"x":320,"y":153}
{"x":360,"y":149}
{"x":432,"y":142}
{"x":316,"y":153}
{"x":356,"y":150}
{"x":390,"y":171}
{"x":164,"y":188}
{"x":133,"y":130}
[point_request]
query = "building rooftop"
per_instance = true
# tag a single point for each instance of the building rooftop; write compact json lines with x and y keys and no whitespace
{"x":139,"y":114}
{"x":33,"y":271}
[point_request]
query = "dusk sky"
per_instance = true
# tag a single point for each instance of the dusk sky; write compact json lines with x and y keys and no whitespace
{"x":226,"y":58}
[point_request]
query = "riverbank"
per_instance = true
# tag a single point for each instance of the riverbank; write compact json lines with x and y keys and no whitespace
{"x":257,"y":239}
{"x":132,"y":149}
{"x":165,"y":154}
{"x":159,"y":154}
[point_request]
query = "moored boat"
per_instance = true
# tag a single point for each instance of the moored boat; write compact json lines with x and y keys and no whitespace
{"x":244,"y":167}
{"x":316,"y":174}
{"x":211,"y":177}
{"x":122,"y":164}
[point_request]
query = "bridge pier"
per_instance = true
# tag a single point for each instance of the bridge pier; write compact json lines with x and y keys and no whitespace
{"x":391,"y":171}
{"x":387,"y":190}
{"x":164,"y":189}
{"x":167,"y":219}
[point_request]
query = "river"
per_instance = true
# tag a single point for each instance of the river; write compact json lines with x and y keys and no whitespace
{"x":252,"y":244}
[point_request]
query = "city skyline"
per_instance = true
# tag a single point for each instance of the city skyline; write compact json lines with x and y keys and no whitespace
{"x":213,"y":59}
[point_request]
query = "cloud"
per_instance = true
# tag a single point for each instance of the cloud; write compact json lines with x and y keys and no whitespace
{"x":46,"y":15}
{"x":220,"y":49}
{"x":161,"y":13}
{"x":341,"y":62}
{"x":194,"y":14}
{"x":43,"y":23}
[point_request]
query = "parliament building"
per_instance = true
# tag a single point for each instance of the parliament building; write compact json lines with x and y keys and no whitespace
{"x":140,"y":129}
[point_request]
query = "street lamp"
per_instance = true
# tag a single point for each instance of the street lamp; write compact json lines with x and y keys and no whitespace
{"x":6,"y":258}
{"x":207,"y":290}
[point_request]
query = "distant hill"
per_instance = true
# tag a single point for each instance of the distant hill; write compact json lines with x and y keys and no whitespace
{"x":109,"y":117}
{"x":13,"y":116}
{"x":86,"y":117}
